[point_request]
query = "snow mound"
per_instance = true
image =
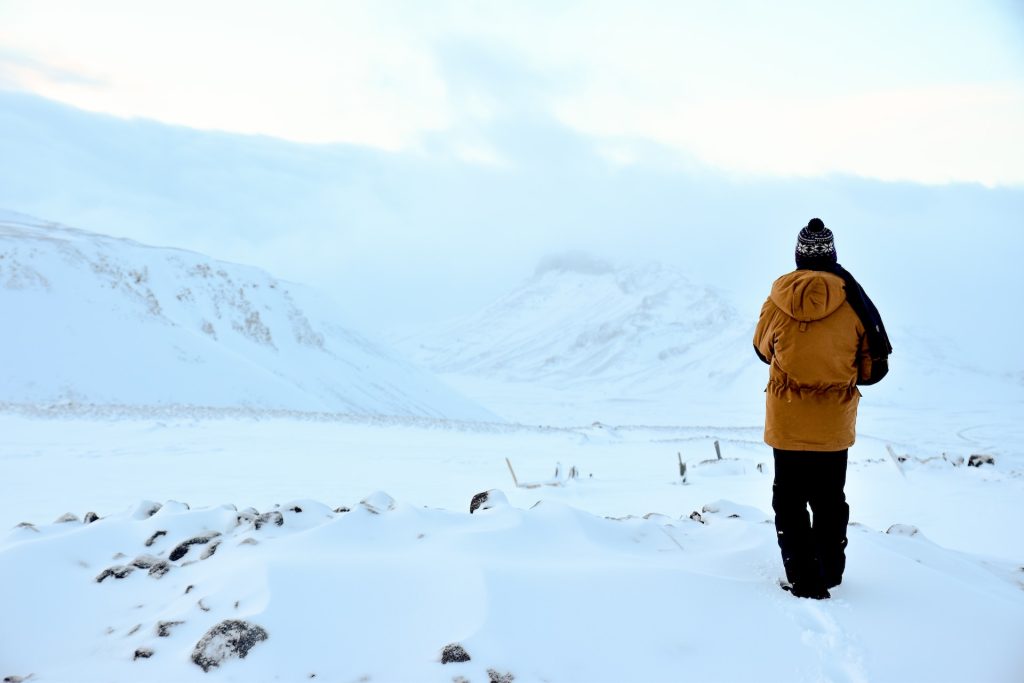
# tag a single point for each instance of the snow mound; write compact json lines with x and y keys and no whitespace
{"x":394,"y":592}
{"x":98,"y":320}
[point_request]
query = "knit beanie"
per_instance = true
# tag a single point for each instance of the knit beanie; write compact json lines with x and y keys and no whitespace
{"x":815,"y":247}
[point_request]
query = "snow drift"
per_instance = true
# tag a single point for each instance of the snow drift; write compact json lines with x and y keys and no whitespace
{"x":387,"y":591}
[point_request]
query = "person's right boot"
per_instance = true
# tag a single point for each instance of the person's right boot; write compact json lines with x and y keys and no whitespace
{"x":815,"y":590}
{"x":803,"y":573}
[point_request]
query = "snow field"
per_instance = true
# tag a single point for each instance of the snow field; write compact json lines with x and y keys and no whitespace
{"x":555,"y":591}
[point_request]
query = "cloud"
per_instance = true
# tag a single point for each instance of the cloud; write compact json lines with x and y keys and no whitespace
{"x":880,"y":89}
{"x":20,"y":69}
{"x":958,"y":133}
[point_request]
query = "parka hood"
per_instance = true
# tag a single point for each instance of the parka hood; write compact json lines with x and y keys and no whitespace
{"x":808,"y":295}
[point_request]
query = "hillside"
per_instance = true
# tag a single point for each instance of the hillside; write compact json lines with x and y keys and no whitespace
{"x":578,"y":321}
{"x":97,"y":320}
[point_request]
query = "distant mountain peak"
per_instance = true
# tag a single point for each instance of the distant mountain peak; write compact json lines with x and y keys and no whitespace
{"x":581,"y":320}
{"x":573,"y":262}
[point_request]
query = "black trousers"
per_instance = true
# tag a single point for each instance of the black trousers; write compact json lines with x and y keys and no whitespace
{"x":812,"y":552}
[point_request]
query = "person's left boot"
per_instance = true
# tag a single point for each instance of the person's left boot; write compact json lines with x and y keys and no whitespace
{"x":813,"y":590}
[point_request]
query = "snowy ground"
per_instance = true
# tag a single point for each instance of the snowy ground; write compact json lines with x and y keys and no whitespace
{"x":555,"y":592}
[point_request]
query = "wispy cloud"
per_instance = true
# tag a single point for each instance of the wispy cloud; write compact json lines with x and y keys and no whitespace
{"x":878,"y":89}
{"x":967,"y":133}
{"x":19,"y":68}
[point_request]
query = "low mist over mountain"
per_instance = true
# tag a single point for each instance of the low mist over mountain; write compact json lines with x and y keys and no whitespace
{"x":97,"y":320}
{"x":579,"y":321}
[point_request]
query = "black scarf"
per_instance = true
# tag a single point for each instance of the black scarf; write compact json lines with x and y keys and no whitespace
{"x":878,"y":339}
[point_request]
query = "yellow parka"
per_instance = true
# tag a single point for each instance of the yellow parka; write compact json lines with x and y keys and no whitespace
{"x":817,"y":350}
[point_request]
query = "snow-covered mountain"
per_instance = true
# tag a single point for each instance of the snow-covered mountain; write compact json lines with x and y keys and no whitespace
{"x":95,"y":320}
{"x":579,"y":321}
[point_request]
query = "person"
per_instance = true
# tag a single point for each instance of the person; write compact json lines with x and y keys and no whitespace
{"x":821,"y":336}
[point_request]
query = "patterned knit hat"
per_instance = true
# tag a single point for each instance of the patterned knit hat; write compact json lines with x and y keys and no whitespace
{"x":815,"y":246}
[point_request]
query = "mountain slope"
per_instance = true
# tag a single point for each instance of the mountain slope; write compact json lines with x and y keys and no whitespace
{"x":579,"y":321}
{"x":92,"y":319}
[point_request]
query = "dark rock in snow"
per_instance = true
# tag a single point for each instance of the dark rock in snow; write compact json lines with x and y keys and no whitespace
{"x":67,"y":517}
{"x":977,"y":460}
{"x":27,"y":525}
{"x":16,"y":679}
{"x":494,"y":676}
{"x":210,"y":550}
{"x":143,"y":653}
{"x":147,"y":509}
{"x":118,"y":572}
{"x":453,"y":652}
{"x":229,"y":638}
{"x":182,"y":548}
{"x":152,"y":539}
{"x":478,"y":500}
{"x":145,"y":561}
{"x":135,"y":629}
{"x":342,"y":509}
{"x":697,"y":517}
{"x":487,"y":500}
{"x":272,"y":517}
{"x":246,"y":516}
{"x":902,"y":530}
{"x":163,"y":628}
{"x":248,"y":541}
{"x":295,"y":508}
{"x":91,"y":517}
{"x":159,"y":569}
{"x":378,"y":502}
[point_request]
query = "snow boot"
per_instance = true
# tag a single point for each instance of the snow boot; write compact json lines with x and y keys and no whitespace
{"x":807,"y":589}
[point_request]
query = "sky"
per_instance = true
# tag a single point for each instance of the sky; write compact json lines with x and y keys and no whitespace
{"x":919,"y":90}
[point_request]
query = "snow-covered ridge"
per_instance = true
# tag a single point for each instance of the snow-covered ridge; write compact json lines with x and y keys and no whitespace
{"x":94,"y":319}
{"x":386,"y":591}
{"x":578,"y":320}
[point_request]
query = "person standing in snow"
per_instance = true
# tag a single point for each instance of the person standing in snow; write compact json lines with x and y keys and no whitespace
{"x":821,"y":336}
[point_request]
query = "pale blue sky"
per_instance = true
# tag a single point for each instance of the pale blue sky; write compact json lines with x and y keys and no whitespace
{"x":928,"y":91}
